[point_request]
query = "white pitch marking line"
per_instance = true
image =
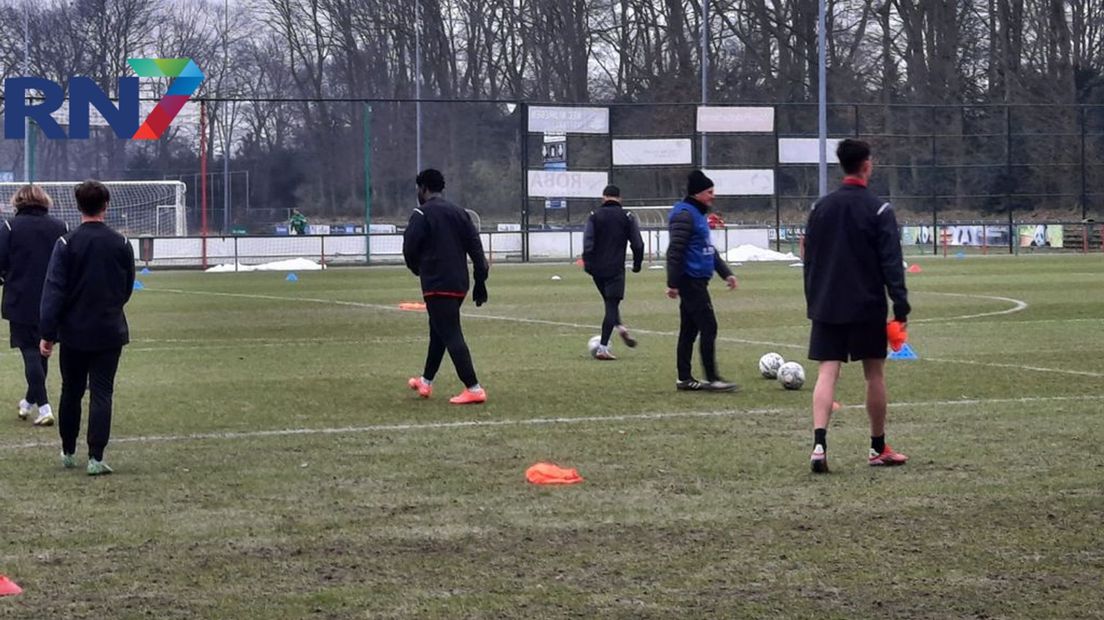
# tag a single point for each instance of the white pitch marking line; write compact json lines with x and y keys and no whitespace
{"x":493,"y":317}
{"x":1082,"y":373}
{"x":489,"y":317}
{"x":637,"y":417}
{"x":1018,"y":306}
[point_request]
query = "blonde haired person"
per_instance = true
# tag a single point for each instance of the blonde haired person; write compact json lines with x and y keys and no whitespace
{"x":26,"y":242}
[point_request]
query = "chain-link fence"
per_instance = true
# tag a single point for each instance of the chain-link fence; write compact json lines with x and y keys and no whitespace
{"x":346,"y":164}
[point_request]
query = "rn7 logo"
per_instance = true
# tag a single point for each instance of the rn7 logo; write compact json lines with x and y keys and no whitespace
{"x":84,"y":93}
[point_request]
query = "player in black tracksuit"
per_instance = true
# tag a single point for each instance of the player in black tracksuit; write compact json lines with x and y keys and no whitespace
{"x":852,"y":259}
{"x":89,"y":280}
{"x":437,"y":242}
{"x":608,"y":230}
{"x":26,"y":242}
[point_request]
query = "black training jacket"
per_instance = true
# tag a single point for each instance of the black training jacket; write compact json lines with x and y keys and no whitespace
{"x":852,"y":258}
{"x":608,"y":230}
{"x":89,"y":280}
{"x":437,"y":242}
{"x":26,"y":242}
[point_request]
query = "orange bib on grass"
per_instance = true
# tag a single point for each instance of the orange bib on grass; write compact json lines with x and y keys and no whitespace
{"x":547,"y":473}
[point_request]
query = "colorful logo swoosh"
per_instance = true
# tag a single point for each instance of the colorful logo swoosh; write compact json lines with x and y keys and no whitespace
{"x":186,"y":80}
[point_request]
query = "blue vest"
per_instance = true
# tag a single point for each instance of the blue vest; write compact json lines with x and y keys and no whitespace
{"x":700,"y":251}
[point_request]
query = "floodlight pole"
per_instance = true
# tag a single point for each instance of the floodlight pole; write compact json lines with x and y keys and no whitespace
{"x":229,"y":126}
{"x":418,"y":81}
{"x":705,"y":76}
{"x":28,"y":167}
{"x":822,"y":98}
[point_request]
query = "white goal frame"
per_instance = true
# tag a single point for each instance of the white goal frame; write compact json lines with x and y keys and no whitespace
{"x":165,"y":200}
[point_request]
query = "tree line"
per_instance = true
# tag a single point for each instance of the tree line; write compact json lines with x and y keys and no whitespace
{"x":896,"y":57}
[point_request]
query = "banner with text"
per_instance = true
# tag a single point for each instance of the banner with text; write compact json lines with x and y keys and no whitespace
{"x":566,"y":184}
{"x":544,"y":119}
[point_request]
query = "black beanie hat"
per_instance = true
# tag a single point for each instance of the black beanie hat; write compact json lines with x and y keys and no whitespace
{"x":612,"y":191}
{"x":697,"y":182}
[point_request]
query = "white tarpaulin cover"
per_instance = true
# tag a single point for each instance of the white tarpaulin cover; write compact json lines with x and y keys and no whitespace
{"x":752,"y":254}
{"x":294,"y":264}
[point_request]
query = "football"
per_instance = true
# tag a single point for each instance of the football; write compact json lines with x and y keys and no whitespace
{"x":769,"y":365}
{"x":791,"y":375}
{"x":593,"y":345}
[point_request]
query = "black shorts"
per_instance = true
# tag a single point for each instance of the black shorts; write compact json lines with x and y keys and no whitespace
{"x":24,"y":336}
{"x":860,"y":341}
{"x":611,"y":287}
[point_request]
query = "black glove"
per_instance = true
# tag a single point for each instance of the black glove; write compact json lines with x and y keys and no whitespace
{"x":479,"y":294}
{"x":636,"y":267}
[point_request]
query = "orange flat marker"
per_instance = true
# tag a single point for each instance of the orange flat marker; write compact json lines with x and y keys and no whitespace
{"x":9,"y":587}
{"x":550,"y":473}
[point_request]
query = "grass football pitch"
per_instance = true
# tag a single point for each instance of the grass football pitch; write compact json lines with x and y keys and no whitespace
{"x":270,"y":461}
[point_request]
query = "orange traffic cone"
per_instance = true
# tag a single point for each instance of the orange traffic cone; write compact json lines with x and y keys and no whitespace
{"x":9,"y":587}
{"x":915,"y":269}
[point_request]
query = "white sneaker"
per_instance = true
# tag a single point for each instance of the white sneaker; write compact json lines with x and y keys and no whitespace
{"x":45,"y":416}
{"x":25,"y":409}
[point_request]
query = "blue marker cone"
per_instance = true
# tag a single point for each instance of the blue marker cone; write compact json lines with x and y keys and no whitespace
{"x":960,"y":255}
{"x":145,"y":271}
{"x":291,"y":277}
{"x":906,"y":353}
{"x":138,"y":285}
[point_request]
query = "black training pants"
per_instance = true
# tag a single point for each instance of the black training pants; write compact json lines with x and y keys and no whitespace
{"x":95,"y":371}
{"x":696,"y":317}
{"x":612,"y":289}
{"x":445,"y":333}
{"x":34,"y":369}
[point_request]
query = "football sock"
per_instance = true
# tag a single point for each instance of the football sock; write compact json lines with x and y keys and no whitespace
{"x":820,"y":437}
{"x":476,"y":388}
{"x":877,"y":444}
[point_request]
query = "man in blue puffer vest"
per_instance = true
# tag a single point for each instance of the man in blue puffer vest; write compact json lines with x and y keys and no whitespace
{"x":691,"y":261}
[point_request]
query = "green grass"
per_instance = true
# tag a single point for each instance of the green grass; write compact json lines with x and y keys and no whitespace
{"x":998,"y":514}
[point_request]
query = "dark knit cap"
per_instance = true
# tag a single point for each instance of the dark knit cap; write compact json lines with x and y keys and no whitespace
{"x":612,"y":191}
{"x":697,"y":182}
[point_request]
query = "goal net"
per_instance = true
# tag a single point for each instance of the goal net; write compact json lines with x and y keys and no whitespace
{"x":651,"y":216}
{"x":137,"y":208}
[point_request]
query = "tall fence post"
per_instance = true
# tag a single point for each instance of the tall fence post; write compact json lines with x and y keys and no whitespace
{"x":367,"y":184}
{"x":777,"y":199}
{"x":203,"y":177}
{"x":1008,"y":172}
{"x":1084,"y":182}
{"x":934,"y":176}
{"x":523,"y":125}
